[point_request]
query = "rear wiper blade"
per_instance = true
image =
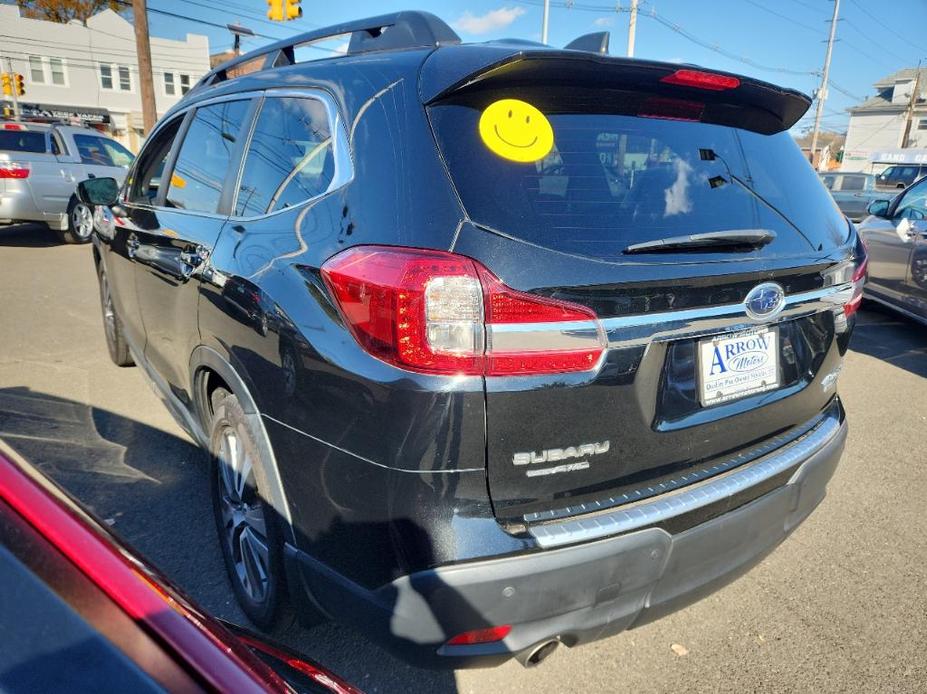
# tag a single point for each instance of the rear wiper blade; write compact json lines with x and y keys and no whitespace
{"x":733,"y":238}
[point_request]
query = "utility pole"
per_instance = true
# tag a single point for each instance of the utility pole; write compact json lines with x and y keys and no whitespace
{"x":544,"y":19}
{"x":912,"y":102}
{"x":143,"y":51}
{"x":9,"y":71}
{"x":632,"y":28}
{"x":822,"y":92}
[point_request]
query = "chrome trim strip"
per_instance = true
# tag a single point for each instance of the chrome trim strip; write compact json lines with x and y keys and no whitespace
{"x":539,"y":337}
{"x":631,"y":331}
{"x":647,"y":513}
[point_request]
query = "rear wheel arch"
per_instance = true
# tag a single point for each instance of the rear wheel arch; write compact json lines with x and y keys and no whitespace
{"x":210,"y":370}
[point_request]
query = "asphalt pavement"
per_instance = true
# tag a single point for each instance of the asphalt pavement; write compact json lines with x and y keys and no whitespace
{"x":840,"y":606}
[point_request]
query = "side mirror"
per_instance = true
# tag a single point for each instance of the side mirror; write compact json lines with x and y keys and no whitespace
{"x":879,"y":208}
{"x":98,"y":191}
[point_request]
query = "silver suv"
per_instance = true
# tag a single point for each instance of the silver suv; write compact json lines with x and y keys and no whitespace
{"x":40,"y":166}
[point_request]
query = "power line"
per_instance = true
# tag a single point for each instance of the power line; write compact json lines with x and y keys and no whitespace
{"x":721,"y":51}
{"x":893,"y":30}
{"x":36,"y":44}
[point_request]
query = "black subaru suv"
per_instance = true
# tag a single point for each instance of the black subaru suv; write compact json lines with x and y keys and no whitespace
{"x":494,"y":347}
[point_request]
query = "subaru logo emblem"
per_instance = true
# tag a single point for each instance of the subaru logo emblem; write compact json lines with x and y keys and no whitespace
{"x":765,"y":301}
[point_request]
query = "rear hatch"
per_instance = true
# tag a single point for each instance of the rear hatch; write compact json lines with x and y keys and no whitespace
{"x":20,"y":149}
{"x":662,"y":202}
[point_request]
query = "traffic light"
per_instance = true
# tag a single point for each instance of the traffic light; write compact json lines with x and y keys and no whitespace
{"x":275,"y":10}
{"x":7,"y":84}
{"x":293,"y":9}
{"x":18,"y":84}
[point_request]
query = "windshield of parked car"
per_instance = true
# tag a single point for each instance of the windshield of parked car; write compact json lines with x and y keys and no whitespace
{"x":610,"y":180}
{"x":22,"y":141}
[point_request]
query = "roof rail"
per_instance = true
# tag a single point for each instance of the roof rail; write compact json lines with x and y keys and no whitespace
{"x":408,"y":29}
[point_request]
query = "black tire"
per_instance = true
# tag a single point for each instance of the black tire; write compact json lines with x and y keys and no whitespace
{"x":248,"y":527}
{"x":80,"y":222}
{"x":112,"y":325}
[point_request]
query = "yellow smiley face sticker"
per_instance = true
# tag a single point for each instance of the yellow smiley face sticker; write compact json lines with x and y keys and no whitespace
{"x":516,"y":130}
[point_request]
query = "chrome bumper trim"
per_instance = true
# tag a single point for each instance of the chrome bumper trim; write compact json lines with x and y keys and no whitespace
{"x":631,"y":331}
{"x":654,"y":511}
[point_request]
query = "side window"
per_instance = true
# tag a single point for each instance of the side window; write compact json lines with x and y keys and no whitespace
{"x":291,"y":157}
{"x":206,"y":155}
{"x":91,"y":151}
{"x":146,"y":180}
{"x":913,"y":204}
{"x":852,"y":183}
{"x":829,"y":181}
{"x":118,"y":154}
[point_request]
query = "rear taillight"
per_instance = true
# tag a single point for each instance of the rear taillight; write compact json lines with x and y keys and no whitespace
{"x":11,"y":169}
{"x":858,"y":280}
{"x":438,"y":312}
{"x":702,"y":80}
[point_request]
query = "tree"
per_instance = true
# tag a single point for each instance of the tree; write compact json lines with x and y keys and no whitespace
{"x":63,"y":11}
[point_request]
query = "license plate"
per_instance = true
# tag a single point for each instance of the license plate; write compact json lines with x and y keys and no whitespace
{"x":736,"y":365}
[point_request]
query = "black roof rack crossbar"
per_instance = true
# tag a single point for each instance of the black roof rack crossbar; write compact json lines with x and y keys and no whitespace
{"x":408,"y":29}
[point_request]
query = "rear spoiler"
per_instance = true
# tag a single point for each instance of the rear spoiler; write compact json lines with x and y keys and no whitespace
{"x":686,"y":92}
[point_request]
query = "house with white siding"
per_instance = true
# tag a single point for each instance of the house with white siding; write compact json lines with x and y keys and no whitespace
{"x":877,"y":126}
{"x":89,"y":73}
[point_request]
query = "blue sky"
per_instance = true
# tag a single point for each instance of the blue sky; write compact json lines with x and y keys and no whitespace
{"x":786,"y":34}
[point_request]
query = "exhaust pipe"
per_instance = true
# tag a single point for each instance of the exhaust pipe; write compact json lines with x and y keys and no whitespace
{"x":533,"y":656}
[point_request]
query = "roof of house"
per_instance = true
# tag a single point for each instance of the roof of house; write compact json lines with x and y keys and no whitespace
{"x":903,"y":75}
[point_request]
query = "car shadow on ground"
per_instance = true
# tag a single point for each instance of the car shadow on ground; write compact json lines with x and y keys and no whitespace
{"x":153,"y":489}
{"x":29,"y":236}
{"x":891,"y":337}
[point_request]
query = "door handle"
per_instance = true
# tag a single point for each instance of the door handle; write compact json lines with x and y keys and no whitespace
{"x":132,"y":245}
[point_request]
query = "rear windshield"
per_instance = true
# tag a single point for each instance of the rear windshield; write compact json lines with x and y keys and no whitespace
{"x":613,"y":180}
{"x":22,"y":141}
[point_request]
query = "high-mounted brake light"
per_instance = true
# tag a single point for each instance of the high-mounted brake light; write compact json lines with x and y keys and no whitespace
{"x":438,"y":312}
{"x":487,"y":635}
{"x":14,"y":126}
{"x":702,"y":80}
{"x":11,"y":169}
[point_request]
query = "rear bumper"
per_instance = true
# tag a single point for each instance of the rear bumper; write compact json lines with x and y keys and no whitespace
{"x":577,"y":593}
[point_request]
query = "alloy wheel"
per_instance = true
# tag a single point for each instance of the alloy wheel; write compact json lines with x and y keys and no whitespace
{"x":109,"y":313}
{"x":245,"y":529}
{"x":82,"y":220}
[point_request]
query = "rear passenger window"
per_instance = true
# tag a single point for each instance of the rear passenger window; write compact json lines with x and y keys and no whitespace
{"x":291,"y":158}
{"x":205,"y":156}
{"x":852,"y":183}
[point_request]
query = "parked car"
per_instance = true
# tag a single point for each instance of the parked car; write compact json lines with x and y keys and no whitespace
{"x":896,"y":235}
{"x":81,"y":612}
{"x":852,"y":192}
{"x":40,"y":166}
{"x":899,"y":176}
{"x":485,"y":366}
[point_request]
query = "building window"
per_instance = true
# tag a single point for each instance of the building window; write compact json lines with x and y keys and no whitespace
{"x":48,"y":71}
{"x":184,"y":84}
{"x":106,"y":76}
{"x":169,"y":88}
{"x":57,"y":71}
{"x":36,"y":70}
{"x":922,"y":124}
{"x":116,"y":77}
